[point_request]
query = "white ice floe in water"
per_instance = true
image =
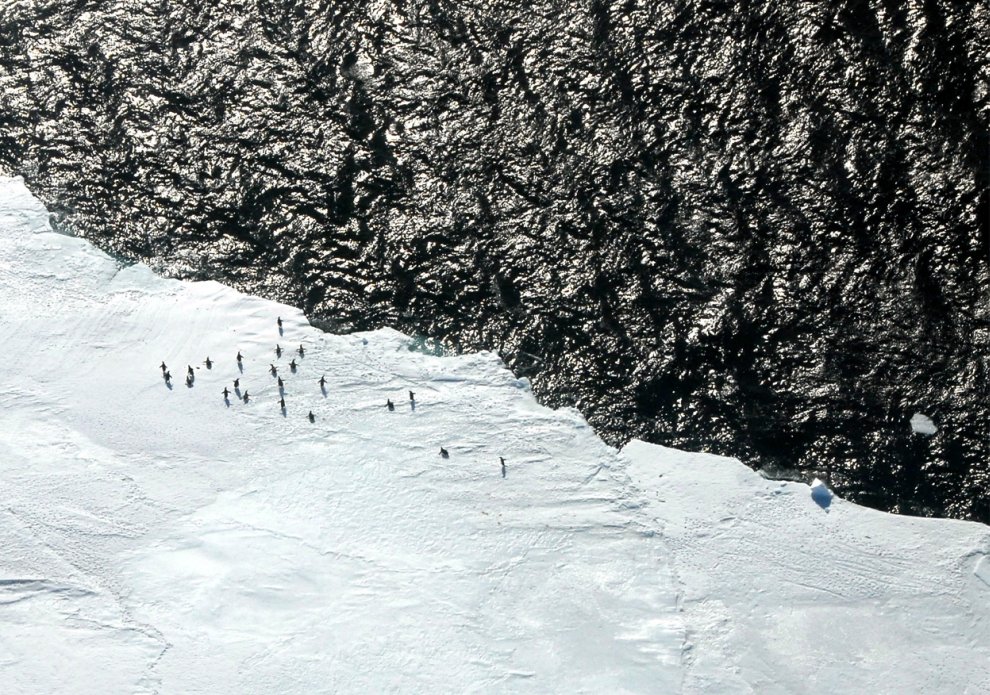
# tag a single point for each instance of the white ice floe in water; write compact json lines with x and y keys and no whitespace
{"x":922,"y":424}
{"x":156,"y":540}
{"x":821,"y":494}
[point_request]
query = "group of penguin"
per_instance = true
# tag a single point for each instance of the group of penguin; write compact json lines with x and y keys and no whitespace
{"x":191,"y":378}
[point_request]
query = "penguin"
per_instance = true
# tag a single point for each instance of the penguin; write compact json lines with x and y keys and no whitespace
{"x":278,"y":350}
{"x":190,"y":371}
{"x":302,"y":353}
{"x":164,"y":368}
{"x":444,"y":454}
{"x":280,"y":383}
{"x":237,"y":383}
{"x":226,"y":393}
{"x":279,"y":321}
{"x":209,"y":363}
{"x":281,"y":403}
{"x":273,"y":370}
{"x":189,"y":381}
{"x":502,"y":461}
{"x":167,"y":376}
{"x":389,"y":404}
{"x":312,"y":418}
{"x":323,"y":382}
{"x":246,"y":397}
{"x":412,"y":396}
{"x":292,"y":365}
{"x":240,"y":357}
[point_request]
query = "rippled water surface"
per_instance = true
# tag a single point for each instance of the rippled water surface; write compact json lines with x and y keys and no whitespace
{"x":759,"y":229}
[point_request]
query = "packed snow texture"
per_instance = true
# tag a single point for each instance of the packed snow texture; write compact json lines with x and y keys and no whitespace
{"x":157,"y":539}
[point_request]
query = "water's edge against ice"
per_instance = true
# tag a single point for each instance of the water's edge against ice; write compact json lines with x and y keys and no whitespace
{"x":159,"y":541}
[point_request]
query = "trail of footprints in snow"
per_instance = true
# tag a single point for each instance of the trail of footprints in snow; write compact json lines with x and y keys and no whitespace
{"x":279,"y":372}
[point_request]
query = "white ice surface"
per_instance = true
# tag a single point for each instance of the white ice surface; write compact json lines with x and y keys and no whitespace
{"x":155,"y":540}
{"x":922,"y":424}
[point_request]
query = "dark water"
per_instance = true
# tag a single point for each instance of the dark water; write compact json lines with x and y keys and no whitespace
{"x":759,"y":229}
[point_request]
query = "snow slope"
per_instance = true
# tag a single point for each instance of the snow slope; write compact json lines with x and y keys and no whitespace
{"x":159,"y":540}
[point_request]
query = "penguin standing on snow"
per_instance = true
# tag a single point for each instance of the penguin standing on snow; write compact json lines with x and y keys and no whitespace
{"x":444,"y":454}
{"x":412,"y":396}
{"x":502,"y":461}
{"x":240,"y":357}
{"x":164,"y":368}
{"x":190,"y":372}
{"x":278,"y":350}
{"x":389,"y":404}
{"x":281,"y":384}
{"x":323,"y":382}
{"x":274,"y":371}
{"x":302,"y":353}
{"x":279,"y":321}
{"x":312,"y":418}
{"x":237,"y":383}
{"x":246,"y":397}
{"x":209,"y":363}
{"x":281,"y":403}
{"x":167,"y":376}
{"x":226,"y":393}
{"x":292,"y":365}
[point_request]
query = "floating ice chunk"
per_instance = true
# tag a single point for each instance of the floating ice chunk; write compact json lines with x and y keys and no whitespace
{"x":922,"y":424}
{"x":821,"y":494}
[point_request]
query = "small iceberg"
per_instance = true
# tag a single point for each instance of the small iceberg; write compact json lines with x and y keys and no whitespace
{"x":922,"y":424}
{"x":821,"y":494}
